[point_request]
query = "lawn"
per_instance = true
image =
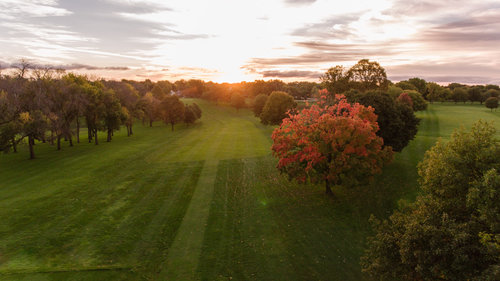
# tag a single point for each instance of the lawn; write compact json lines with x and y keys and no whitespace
{"x":203,"y":202}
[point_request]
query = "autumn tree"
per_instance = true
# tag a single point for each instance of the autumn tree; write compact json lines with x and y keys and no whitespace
{"x":441,"y":236}
{"x":276,"y":108}
{"x":172,"y":110}
{"x":258,"y":104}
{"x":335,"y":145}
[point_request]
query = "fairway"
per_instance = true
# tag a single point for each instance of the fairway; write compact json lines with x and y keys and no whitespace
{"x":204,"y":202}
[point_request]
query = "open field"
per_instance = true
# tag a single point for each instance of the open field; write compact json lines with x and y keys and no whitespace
{"x":202,"y":202}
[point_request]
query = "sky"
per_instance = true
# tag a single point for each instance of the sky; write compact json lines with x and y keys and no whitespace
{"x":231,"y":40}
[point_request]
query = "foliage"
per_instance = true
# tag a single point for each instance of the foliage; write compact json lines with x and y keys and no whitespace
{"x":335,"y":144}
{"x":491,"y":103}
{"x":439,"y":236}
{"x":398,"y":123}
{"x":405,"y":98}
{"x":418,"y":101}
{"x":420,"y":84}
{"x":406,"y":85}
{"x":172,"y":110}
{"x":394,"y":91}
{"x":336,"y":80}
{"x":258,"y":104}
{"x":363,"y":76}
{"x":238,"y":101}
{"x":434,"y":92}
{"x":276,"y":108}
{"x":459,"y":94}
{"x":192,"y":113}
{"x":368,"y":75}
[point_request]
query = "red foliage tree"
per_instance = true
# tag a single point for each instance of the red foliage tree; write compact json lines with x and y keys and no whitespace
{"x":405,"y":99}
{"x":335,"y":144}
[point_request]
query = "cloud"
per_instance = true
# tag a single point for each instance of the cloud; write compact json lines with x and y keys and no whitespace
{"x":299,"y":2}
{"x":332,"y":28}
{"x":291,"y":74}
{"x":69,"y":67}
{"x":13,"y":9}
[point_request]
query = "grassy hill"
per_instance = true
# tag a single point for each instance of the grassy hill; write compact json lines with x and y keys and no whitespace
{"x":203,"y":202}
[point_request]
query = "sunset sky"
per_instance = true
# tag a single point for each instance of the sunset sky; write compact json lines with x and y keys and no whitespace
{"x":224,"y":40}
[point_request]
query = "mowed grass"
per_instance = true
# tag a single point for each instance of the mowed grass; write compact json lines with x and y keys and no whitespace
{"x":204,"y":202}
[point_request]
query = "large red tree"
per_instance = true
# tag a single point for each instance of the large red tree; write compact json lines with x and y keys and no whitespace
{"x":335,"y":144}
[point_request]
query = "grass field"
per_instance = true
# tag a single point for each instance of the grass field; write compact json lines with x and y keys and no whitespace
{"x":204,"y":202}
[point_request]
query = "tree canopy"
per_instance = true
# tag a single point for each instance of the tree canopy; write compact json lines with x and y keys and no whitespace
{"x":445,"y":234}
{"x":276,"y":108}
{"x":336,"y":145}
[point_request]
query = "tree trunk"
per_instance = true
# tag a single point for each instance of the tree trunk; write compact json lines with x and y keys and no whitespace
{"x":70,"y":138}
{"x":131,"y":132}
{"x":150,"y":123}
{"x":328,"y":190}
{"x":77,"y":130}
{"x":58,"y":142}
{"x":32,"y":151}
{"x":14,"y":145}
{"x":51,"y":137}
{"x":95,"y":137}
{"x":109,"y":135}
{"x":90,"y":133}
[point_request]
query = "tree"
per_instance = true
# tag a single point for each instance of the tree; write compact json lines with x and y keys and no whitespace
{"x":368,"y":75}
{"x":475,"y":93}
{"x":418,"y":101}
{"x":113,"y":115}
{"x":238,"y":101}
{"x":398,"y":123}
{"x":406,"y":85}
{"x":335,"y":144}
{"x":420,"y":84}
{"x":491,"y":103}
{"x":404,"y":98}
{"x":172,"y":110}
{"x":192,"y":113}
{"x":258,"y":104}
{"x":336,"y":80}
{"x":276,"y":108}
{"x":439,"y":236}
{"x":459,"y":94}
{"x":434,"y":92}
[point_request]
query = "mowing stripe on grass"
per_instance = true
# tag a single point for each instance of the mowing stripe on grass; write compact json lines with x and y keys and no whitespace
{"x":183,"y":256}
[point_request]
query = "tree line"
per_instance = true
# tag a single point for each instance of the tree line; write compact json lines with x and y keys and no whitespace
{"x":46,"y":105}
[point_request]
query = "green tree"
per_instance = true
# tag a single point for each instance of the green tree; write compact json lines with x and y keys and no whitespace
{"x":192,"y":113}
{"x":420,"y":84}
{"x":491,"y":103}
{"x":398,"y":123}
{"x":172,"y":110}
{"x":419,"y":102}
{"x":238,"y":101}
{"x":258,"y":104}
{"x":439,"y":236}
{"x":434,"y":92}
{"x":406,"y":85}
{"x":336,"y":80}
{"x":276,"y":108}
{"x":475,"y":93}
{"x":368,"y":75}
{"x":459,"y":94}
